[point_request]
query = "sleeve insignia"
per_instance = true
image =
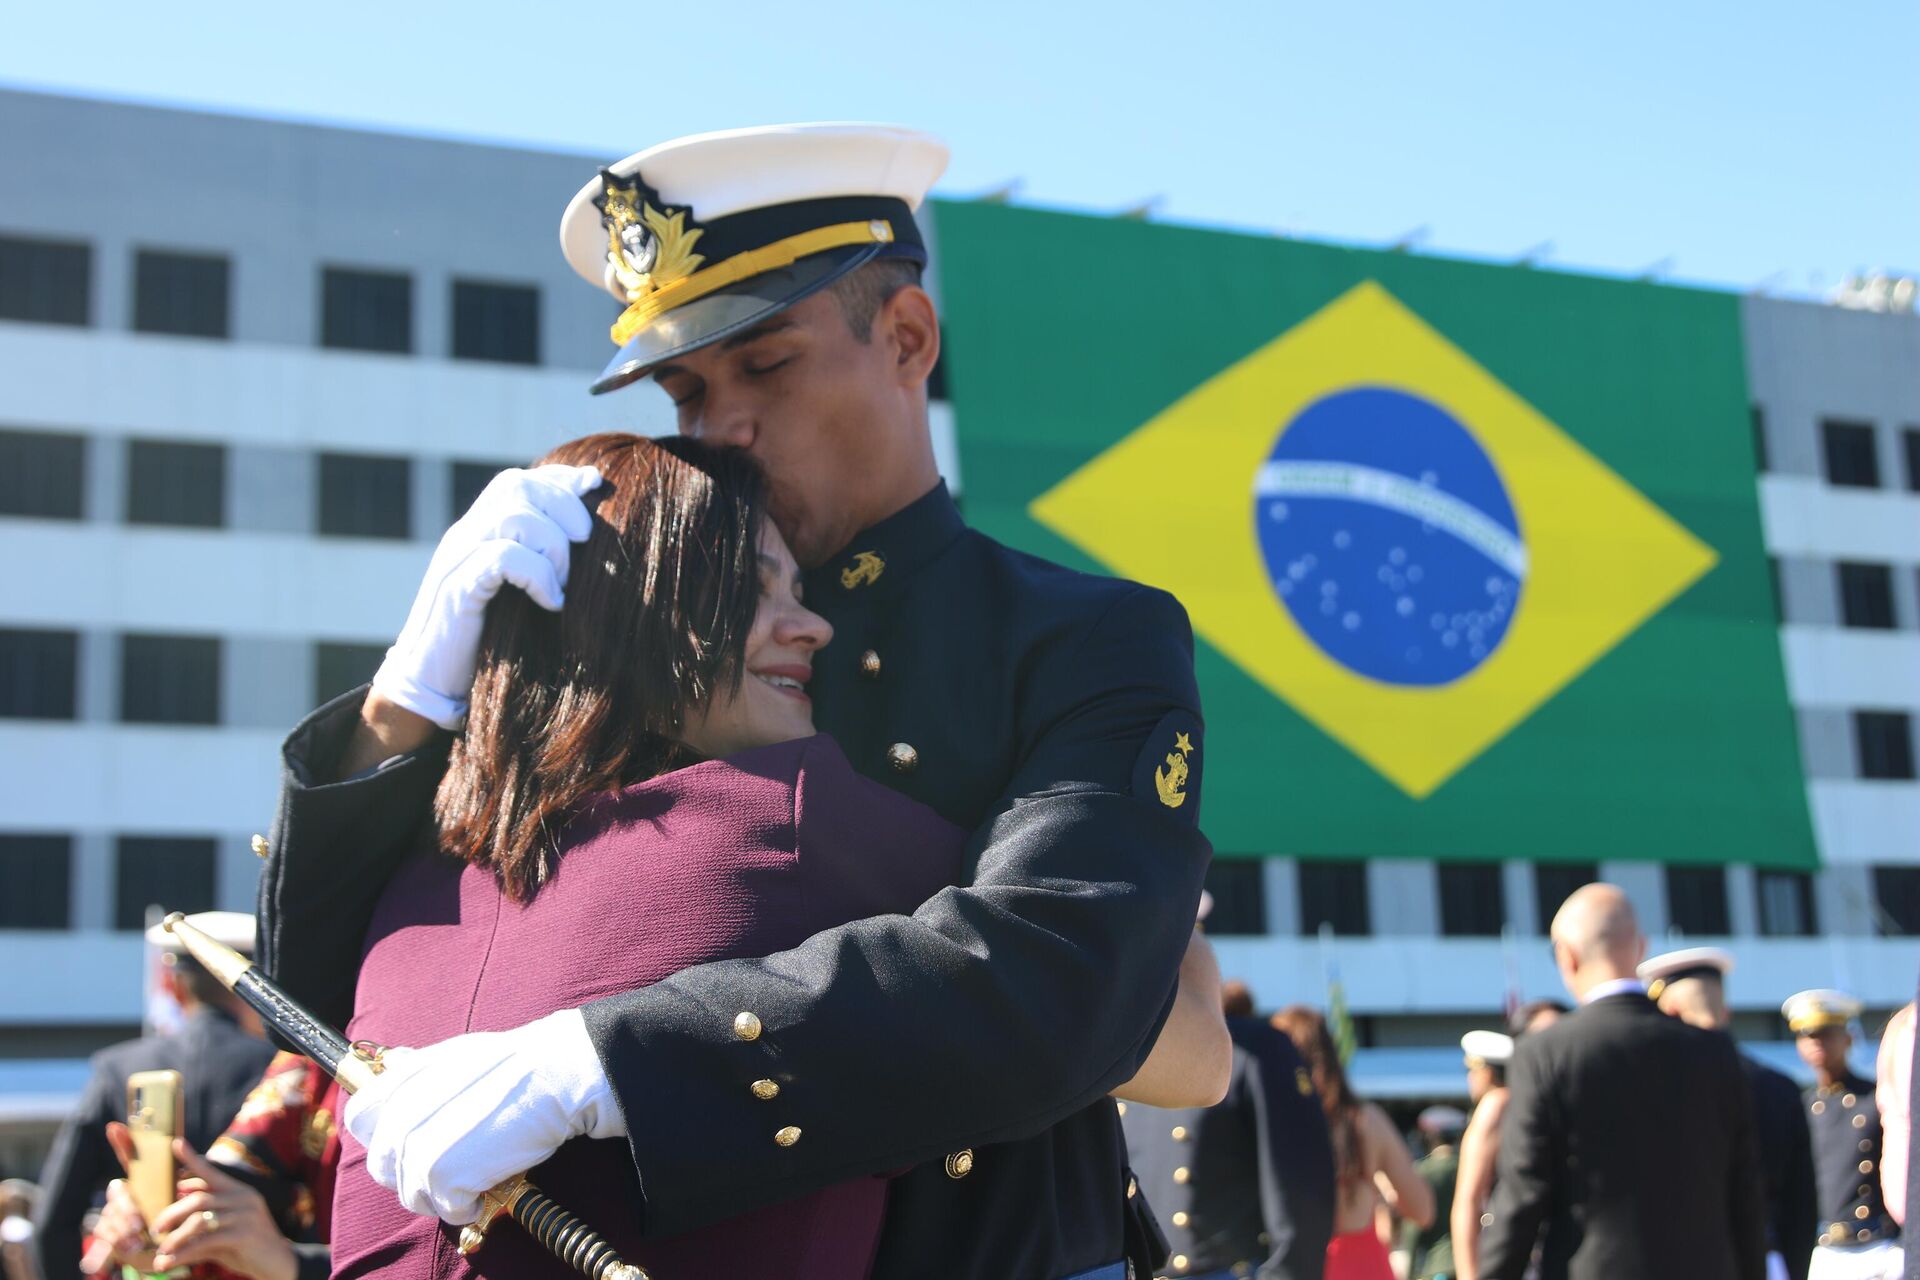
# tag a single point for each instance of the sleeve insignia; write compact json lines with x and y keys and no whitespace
{"x":1168,"y":772}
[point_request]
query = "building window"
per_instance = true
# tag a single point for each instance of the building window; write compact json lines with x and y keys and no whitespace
{"x":1760,"y":439}
{"x":172,"y":872}
{"x":183,"y":293}
{"x":1896,"y":893}
{"x":1554,"y":883}
{"x":176,"y":484}
{"x":1334,"y":894}
{"x":340,"y":667}
{"x":365,"y":497}
{"x":38,"y":674}
{"x":366,"y":310}
{"x":1785,"y":899}
{"x":45,"y":281}
{"x":468,"y":479}
{"x":42,"y":474}
{"x":1884,"y":740}
{"x":1849,"y":449}
{"x":1473,"y":900}
{"x":1910,"y":444}
{"x":496,"y":322}
{"x":1779,"y":594}
{"x":38,"y":873}
{"x":1697,"y":900}
{"x":1866,"y":595}
{"x":1239,"y":890}
{"x":169,"y":679}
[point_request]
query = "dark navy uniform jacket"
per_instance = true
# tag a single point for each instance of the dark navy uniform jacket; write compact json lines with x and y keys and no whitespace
{"x":218,"y":1064}
{"x":1845,"y":1121}
{"x":1244,"y":1186}
{"x":1786,"y":1165}
{"x":1052,"y":713}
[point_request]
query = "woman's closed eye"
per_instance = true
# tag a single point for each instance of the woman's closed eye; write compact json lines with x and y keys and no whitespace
{"x":762,"y":371}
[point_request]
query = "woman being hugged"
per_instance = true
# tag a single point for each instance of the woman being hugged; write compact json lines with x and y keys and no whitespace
{"x":638,"y":789}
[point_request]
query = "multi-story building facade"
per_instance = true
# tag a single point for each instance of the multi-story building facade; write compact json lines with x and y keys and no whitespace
{"x":250,"y":369}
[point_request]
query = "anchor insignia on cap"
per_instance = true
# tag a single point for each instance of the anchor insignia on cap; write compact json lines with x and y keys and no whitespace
{"x":647,"y":249}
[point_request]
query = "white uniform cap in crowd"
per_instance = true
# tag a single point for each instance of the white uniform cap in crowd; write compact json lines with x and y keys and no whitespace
{"x":1662,"y":971}
{"x":1442,"y":1119}
{"x":1487,"y":1048}
{"x":1818,"y":1009}
{"x":704,"y":237}
{"x":230,"y":928}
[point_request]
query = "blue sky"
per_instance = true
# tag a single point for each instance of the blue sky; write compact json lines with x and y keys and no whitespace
{"x":1764,"y":141}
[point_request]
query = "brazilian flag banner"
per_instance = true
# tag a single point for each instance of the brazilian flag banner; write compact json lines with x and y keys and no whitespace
{"x":1472,"y":553}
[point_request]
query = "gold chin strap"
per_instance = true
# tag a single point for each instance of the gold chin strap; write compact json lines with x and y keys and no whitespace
{"x":744,"y":266}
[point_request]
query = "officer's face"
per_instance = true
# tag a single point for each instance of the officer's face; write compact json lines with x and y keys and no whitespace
{"x":837,"y":422}
{"x":771,"y":704}
{"x":1824,"y":1049}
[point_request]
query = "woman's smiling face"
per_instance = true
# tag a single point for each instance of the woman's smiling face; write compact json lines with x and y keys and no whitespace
{"x":771,"y":705}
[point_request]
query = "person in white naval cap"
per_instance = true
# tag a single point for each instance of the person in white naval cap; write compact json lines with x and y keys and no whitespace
{"x":1857,"y":1238}
{"x":219,"y":1053}
{"x":770,"y":280}
{"x":1486,"y":1055}
{"x":1691,"y":985}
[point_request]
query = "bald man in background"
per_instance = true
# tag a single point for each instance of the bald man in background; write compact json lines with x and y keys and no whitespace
{"x":1627,"y":1148}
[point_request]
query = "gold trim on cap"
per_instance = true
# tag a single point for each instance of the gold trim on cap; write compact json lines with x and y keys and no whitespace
{"x":744,"y":266}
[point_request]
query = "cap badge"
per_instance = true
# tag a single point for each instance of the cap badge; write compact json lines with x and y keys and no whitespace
{"x":866,"y":568}
{"x":1171,"y":780}
{"x":647,"y":248}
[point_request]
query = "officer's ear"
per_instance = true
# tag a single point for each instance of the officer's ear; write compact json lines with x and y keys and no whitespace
{"x":912,"y":329}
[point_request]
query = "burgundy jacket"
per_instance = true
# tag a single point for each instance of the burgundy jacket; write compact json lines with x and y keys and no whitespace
{"x":732,"y":858}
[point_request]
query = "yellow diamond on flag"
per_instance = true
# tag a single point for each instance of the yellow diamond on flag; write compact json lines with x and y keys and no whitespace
{"x":1381,"y":533}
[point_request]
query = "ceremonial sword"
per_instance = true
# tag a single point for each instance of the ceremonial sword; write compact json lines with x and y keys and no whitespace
{"x":355,"y":1065}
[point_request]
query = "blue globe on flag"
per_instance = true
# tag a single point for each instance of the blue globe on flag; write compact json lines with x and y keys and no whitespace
{"x":1389,"y":537}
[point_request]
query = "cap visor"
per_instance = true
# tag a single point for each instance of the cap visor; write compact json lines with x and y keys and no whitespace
{"x":729,"y":311}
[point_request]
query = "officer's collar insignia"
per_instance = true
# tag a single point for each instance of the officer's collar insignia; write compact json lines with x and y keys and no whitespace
{"x":649,"y":244}
{"x":866,"y":569}
{"x":1170,"y":781}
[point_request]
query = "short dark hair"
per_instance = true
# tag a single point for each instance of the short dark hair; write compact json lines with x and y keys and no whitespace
{"x":1523,"y":1016}
{"x":863,"y":291}
{"x":563,"y":710}
{"x":195,"y":982}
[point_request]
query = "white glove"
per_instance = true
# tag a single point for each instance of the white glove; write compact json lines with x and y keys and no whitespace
{"x":445,"y":1124}
{"x":517,"y":531}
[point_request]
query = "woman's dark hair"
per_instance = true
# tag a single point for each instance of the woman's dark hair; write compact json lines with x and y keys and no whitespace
{"x":1522,"y":1020}
{"x":659,"y":601}
{"x":1307,"y":1029}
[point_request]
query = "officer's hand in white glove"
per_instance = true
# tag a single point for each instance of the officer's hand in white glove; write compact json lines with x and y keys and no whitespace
{"x":445,"y":1124}
{"x":519,"y":531}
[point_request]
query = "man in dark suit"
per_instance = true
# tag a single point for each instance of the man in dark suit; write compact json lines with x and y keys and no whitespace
{"x":1052,"y":713}
{"x":1244,"y":1187}
{"x":219,"y":1061}
{"x":1691,"y":985}
{"x":1627,"y":1148}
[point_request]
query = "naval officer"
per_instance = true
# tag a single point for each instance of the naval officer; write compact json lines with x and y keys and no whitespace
{"x":1857,"y":1239}
{"x":1691,"y":985}
{"x":771,"y":285}
{"x":1244,"y":1187}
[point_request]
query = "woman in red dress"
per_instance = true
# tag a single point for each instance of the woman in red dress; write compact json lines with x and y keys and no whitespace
{"x":1371,"y":1163}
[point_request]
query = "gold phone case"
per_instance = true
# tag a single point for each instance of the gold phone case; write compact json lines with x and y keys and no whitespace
{"x":153,"y":1115}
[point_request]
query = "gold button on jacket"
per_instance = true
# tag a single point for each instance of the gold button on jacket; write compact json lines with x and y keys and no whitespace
{"x":960,"y":1163}
{"x":765,"y":1090}
{"x":788,"y":1136}
{"x":746,"y":1026}
{"x":903,"y":757}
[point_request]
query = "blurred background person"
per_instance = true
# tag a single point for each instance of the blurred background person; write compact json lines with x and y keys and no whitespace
{"x":1244,"y":1187}
{"x":1857,"y":1237}
{"x":17,"y":1198}
{"x":219,"y":1053}
{"x":268,"y":1180}
{"x":1486,"y":1056}
{"x":1691,"y":985}
{"x":1429,"y":1249}
{"x":1371,"y":1162}
{"x":1627,"y":1148}
{"x":1893,"y":1090}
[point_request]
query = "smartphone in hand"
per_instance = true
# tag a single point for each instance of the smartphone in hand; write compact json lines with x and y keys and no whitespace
{"x":154,"y":1120}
